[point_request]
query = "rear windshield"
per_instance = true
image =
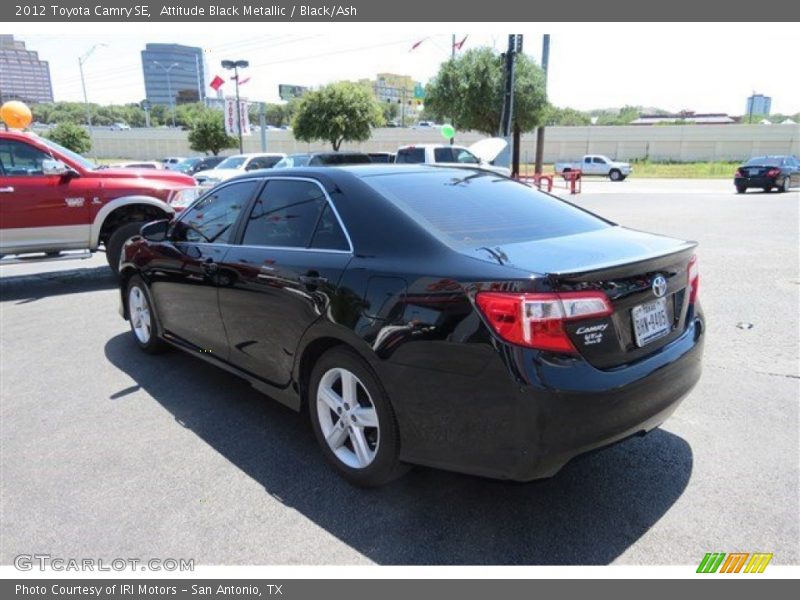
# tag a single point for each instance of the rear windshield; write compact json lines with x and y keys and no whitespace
{"x":340,"y":159}
{"x":410,"y":155}
{"x":764,"y":161}
{"x":481,"y":209}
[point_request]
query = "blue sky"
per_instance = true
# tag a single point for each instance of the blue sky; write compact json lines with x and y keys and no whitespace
{"x":674,"y":66}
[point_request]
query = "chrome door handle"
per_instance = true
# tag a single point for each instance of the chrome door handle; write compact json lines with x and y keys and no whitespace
{"x":6,"y":190}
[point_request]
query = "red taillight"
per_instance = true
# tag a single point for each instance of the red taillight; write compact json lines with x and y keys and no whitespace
{"x":693,"y":279}
{"x":773,"y":172}
{"x":537,"y":320}
{"x":739,"y":173}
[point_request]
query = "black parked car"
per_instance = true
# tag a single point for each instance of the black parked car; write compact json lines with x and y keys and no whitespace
{"x":320,"y":159}
{"x":204,"y":164}
{"x":438,"y":316}
{"x":767,"y":172}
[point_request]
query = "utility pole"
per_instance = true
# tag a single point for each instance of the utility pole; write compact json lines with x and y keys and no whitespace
{"x":452,"y":57}
{"x":507,"y":115}
{"x":81,"y":61}
{"x":752,"y":102}
{"x":262,"y":123}
{"x":540,"y":130}
{"x":236,"y":65}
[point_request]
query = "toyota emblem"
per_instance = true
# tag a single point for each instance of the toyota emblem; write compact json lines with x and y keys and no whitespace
{"x":659,"y":286}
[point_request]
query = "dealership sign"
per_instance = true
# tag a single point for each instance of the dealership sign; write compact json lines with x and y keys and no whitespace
{"x":232,"y":126}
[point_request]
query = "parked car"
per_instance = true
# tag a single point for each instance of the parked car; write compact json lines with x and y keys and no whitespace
{"x":187,"y":163}
{"x":120,"y":127}
{"x":236,"y":165}
{"x":596,"y":164}
{"x":54,"y":200}
{"x":382,"y":157}
{"x":481,"y":154}
{"x":497,"y":330}
{"x":319,"y":159}
{"x":205,"y":163}
{"x":171,"y":162}
{"x":768,"y":172}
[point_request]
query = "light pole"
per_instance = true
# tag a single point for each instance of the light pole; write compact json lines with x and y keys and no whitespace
{"x":169,"y":86}
{"x":236,"y":65}
{"x":81,"y":61}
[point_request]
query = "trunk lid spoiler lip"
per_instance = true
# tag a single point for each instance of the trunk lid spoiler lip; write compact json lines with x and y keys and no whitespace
{"x":616,"y":264}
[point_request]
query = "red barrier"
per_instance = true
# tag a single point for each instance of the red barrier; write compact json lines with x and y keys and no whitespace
{"x":536,"y":180}
{"x":573,"y":179}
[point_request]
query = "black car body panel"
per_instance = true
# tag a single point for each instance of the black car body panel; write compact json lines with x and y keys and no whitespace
{"x":404,"y":299}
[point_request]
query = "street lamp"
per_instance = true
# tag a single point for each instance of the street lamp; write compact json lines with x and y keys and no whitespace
{"x":236,"y":65}
{"x":81,"y":61}
{"x":169,"y":86}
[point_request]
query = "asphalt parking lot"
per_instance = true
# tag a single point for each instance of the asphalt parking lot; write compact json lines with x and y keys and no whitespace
{"x":108,"y":452}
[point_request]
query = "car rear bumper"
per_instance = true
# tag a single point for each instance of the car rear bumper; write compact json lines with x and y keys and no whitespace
{"x":551,"y":411}
{"x":755,"y":182}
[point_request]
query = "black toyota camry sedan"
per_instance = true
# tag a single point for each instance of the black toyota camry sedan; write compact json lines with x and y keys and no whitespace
{"x":423,"y":315}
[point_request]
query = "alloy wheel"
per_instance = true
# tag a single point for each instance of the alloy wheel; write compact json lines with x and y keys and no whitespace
{"x":347,"y":418}
{"x":139,"y":311}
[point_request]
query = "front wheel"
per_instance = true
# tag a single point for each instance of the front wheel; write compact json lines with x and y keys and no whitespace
{"x":117,"y":240}
{"x":142,"y":317}
{"x":353,"y":420}
{"x":615,"y":175}
{"x":786,"y":184}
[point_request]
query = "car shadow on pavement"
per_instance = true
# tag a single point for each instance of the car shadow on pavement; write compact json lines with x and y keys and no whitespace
{"x":589,"y":514}
{"x":29,"y":288}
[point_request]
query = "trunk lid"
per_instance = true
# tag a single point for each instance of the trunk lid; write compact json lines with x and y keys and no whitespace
{"x":644,"y":276}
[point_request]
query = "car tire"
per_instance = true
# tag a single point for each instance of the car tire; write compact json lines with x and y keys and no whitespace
{"x":740,"y":189}
{"x":615,"y":175}
{"x":117,"y":240}
{"x":787,"y":183}
{"x":353,"y":420}
{"x":142,"y":317}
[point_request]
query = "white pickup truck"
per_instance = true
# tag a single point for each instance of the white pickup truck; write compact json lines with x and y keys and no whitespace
{"x":480,"y":155}
{"x":597,"y":164}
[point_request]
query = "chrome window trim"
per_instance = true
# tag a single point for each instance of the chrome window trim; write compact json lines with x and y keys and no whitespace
{"x":266,"y":180}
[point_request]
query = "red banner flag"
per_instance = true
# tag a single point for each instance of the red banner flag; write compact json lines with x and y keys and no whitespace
{"x":417,"y":45}
{"x":216,"y":83}
{"x":460,"y":44}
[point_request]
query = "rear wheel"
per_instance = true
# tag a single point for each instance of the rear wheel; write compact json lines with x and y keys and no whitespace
{"x":741,"y":189}
{"x":787,"y":183}
{"x":117,"y":240}
{"x":615,"y":175}
{"x":353,"y":420}
{"x":142,"y":317}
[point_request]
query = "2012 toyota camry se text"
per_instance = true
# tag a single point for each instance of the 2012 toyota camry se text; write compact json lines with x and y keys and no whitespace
{"x":420,"y":315}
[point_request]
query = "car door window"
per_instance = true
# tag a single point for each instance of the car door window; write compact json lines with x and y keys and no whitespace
{"x":212,"y":218}
{"x":411,"y":155}
{"x":285,"y":215}
{"x":466,"y":157}
{"x":587,"y":160}
{"x":598,"y":161}
{"x":21,"y":160}
{"x":443,"y":155}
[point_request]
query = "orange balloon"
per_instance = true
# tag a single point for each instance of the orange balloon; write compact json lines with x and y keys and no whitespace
{"x":16,"y":114}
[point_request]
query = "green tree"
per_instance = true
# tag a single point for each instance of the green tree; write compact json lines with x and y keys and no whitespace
{"x":468,"y":91}
{"x":208,"y":133}
{"x":566,"y":117}
{"x":339,"y":112}
{"x":71,"y":136}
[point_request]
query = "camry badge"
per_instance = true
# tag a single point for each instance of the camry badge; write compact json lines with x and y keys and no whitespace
{"x":659,"y":286}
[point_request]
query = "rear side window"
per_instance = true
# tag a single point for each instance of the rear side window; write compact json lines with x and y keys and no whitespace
{"x":443,"y":155}
{"x":764,"y":161}
{"x":411,"y":155}
{"x":293,"y":214}
{"x":481,"y":209}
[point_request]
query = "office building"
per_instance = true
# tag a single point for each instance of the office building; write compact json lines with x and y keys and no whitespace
{"x":758,"y":104}
{"x":22,"y":75}
{"x":173,"y":74}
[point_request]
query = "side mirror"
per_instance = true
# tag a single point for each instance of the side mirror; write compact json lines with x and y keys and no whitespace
{"x":155,"y":231}
{"x":50,"y":166}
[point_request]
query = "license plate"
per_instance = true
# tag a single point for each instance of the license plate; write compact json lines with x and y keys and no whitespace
{"x":650,"y":321}
{"x":753,"y":172}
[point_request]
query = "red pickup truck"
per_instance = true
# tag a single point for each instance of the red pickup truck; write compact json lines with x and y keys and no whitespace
{"x":53,"y":200}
